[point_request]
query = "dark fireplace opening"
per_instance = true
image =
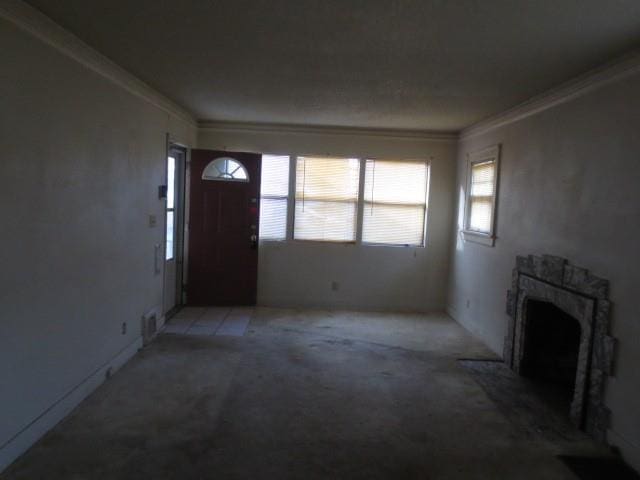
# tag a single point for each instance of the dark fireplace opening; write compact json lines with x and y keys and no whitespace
{"x":551,"y":348}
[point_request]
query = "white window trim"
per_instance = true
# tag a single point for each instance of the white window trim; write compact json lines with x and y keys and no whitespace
{"x":487,"y":154}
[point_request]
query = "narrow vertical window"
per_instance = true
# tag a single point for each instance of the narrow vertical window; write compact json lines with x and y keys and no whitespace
{"x":170,"y":217}
{"x":481,"y":195}
{"x":274,"y":194}
{"x":326,"y":201}
{"x":395,"y":202}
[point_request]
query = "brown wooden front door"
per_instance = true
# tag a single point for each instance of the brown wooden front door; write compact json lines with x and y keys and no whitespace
{"x":223,"y":228}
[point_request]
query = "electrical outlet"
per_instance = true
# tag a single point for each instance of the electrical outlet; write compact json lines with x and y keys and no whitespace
{"x":153,"y":221}
{"x":124,"y":328}
{"x":335,"y":286}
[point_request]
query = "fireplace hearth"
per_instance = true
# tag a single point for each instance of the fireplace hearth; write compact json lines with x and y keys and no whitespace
{"x":559,"y":334}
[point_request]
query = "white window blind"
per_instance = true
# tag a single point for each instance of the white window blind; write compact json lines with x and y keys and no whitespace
{"x":274,"y":191}
{"x":326,"y":200}
{"x":395,"y":202}
{"x":482,"y":188}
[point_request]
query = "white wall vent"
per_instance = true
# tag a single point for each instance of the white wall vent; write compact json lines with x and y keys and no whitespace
{"x":149,"y":326}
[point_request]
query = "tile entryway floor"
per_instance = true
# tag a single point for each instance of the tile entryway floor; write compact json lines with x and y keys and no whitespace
{"x":231,"y":321}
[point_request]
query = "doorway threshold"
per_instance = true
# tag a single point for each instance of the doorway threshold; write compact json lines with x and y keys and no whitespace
{"x":210,"y":321}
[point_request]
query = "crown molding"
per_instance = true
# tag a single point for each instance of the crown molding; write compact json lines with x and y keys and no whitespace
{"x":42,"y":27}
{"x":592,"y":80}
{"x":219,"y":126}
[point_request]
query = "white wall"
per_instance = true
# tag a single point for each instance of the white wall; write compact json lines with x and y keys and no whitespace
{"x":371,"y":277}
{"x":81,"y":162}
{"x":569,"y":186}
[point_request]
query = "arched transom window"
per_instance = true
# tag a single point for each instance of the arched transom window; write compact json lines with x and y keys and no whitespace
{"x":225,"y":169}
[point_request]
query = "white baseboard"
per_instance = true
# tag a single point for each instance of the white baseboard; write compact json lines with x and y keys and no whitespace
{"x":452,"y":312}
{"x":21,"y":442}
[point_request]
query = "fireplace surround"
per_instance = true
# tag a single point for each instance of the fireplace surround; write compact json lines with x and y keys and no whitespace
{"x":581,"y":296}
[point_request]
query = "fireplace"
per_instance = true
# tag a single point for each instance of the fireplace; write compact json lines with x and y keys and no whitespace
{"x":551,"y":349}
{"x":559,"y":334}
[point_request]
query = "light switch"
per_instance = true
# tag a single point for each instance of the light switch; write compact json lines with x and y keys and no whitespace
{"x":152,"y":220}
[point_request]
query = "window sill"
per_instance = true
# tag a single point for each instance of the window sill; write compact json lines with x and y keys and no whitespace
{"x":477,"y":237}
{"x":289,"y":241}
{"x":323,"y":242}
{"x":392,"y":245}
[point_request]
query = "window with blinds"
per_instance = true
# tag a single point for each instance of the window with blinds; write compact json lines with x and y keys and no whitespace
{"x":481,"y":196}
{"x":274,"y":194}
{"x":481,"y":193}
{"x":326,"y":200}
{"x":395,"y":202}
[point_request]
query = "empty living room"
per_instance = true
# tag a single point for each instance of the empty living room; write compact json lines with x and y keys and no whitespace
{"x":358,"y":239}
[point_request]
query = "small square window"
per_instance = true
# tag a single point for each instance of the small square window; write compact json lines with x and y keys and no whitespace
{"x":482,"y":187}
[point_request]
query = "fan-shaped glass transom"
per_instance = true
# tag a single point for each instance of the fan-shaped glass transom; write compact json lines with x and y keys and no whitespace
{"x":225,"y":169}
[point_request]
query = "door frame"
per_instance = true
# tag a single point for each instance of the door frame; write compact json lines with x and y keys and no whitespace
{"x":181,"y":166}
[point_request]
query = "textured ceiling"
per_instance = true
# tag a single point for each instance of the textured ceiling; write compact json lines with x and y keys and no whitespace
{"x":410,"y":64}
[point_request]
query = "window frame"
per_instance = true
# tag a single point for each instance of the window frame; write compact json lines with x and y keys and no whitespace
{"x":489,"y":154}
{"x":361,"y":204}
{"x":293,"y":169}
{"x":291,"y":202}
{"x":287,"y":197}
{"x":168,"y":210}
